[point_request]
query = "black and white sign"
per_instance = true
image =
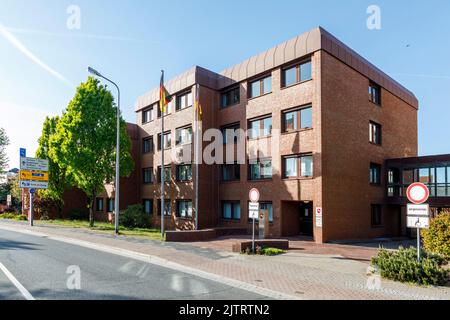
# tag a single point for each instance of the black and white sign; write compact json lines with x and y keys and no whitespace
{"x":33,"y":164}
{"x":418,"y":216}
{"x":253,"y":210}
{"x":319,"y":220}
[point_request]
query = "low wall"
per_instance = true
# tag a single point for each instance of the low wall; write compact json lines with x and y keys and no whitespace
{"x":202,"y":235}
{"x":243,"y":245}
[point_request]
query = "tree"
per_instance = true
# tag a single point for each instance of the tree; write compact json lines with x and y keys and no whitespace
{"x":4,"y":141}
{"x":85,"y":141}
{"x":58,"y":178}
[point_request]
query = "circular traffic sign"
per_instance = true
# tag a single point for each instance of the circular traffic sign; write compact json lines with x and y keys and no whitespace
{"x":254,"y":195}
{"x":418,"y":193}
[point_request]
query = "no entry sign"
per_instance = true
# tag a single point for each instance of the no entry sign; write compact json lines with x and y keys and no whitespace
{"x":418,"y":193}
{"x":254,"y":195}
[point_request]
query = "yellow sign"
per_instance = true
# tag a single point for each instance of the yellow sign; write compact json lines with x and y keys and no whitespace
{"x":29,"y":175}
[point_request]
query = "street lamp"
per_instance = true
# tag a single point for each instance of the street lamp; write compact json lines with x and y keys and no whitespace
{"x":116,"y":205}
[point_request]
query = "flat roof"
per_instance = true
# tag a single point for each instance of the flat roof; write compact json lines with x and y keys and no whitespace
{"x":298,"y":47}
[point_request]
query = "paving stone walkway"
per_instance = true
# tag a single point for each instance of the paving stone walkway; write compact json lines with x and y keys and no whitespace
{"x":309,"y":271}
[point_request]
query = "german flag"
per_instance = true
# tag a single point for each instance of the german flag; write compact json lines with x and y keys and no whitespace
{"x":198,"y":106}
{"x":164,"y":96}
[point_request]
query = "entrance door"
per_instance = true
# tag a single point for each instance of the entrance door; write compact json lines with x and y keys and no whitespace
{"x":306,"y":220}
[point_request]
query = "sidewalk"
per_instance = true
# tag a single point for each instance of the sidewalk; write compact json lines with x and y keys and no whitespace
{"x":297,"y":273}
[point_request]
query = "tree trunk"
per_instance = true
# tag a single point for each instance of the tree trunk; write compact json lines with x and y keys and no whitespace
{"x":91,"y":211}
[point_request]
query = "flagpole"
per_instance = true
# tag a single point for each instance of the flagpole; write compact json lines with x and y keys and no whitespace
{"x":196,"y":151}
{"x":161,"y":103}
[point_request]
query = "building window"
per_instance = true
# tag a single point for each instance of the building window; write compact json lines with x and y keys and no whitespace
{"x":184,"y":101}
{"x":99,"y":204}
{"x":167,"y":141}
{"x":147,"y":175}
{"x":374,"y":133}
{"x":231,"y":133}
{"x":167,"y":174}
{"x":296,"y":74}
{"x":261,"y":170}
{"x":297,"y":119}
{"x":168,"y":109}
{"x":260,"y":128}
{"x":231,"y":172}
{"x":183,"y":136}
{"x":261,"y":87}
{"x":231,"y":210}
{"x":230,"y":97}
{"x":111,"y":205}
{"x":184,"y":172}
{"x":148,"y":206}
{"x":147,"y":145}
{"x":147,"y":115}
{"x":375,"y":174}
{"x":374,"y":93}
{"x":300,"y":166}
{"x":184,"y":208}
{"x":376,"y":211}
{"x":167,"y":207}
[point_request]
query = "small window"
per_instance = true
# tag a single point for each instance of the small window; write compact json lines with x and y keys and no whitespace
{"x":297,"y":119}
{"x":230,"y":97}
{"x":99,"y":205}
{"x":147,"y":115}
{"x":184,"y":101}
{"x":147,"y":175}
{"x":231,"y":172}
{"x":167,"y":174}
{"x":231,"y":210}
{"x":111,"y":205}
{"x":376,"y":211}
{"x":375,"y":93}
{"x":260,"y":128}
{"x":261,"y":170}
{"x":183,"y":136}
{"x":184,"y":172}
{"x":261,"y":87}
{"x":167,"y":207}
{"x":147,"y":145}
{"x":148,"y":206}
{"x":375,"y":174}
{"x":296,"y":167}
{"x":296,"y":74}
{"x":231,"y":133}
{"x":375,"y":133}
{"x":167,"y":141}
{"x":184,"y":208}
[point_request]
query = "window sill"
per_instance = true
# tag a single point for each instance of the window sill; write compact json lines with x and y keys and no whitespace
{"x":229,"y":106}
{"x":297,"y":178}
{"x":263,"y":95}
{"x":296,"y":131}
{"x":259,"y":138}
{"x":261,"y":180}
{"x":374,"y":103}
{"x":145,"y":123}
{"x":230,"y":181}
{"x":375,"y":144}
{"x":184,"y":218}
{"x":178,"y":110}
{"x":296,"y":84}
{"x":231,"y":220}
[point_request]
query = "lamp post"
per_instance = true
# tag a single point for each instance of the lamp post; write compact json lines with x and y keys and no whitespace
{"x":117,"y":193}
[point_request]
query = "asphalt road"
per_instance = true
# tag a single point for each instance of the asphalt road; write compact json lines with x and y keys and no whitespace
{"x":40,"y":266}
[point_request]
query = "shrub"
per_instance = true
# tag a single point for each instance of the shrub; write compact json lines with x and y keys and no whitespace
{"x":78,"y":214}
{"x":13,"y":216}
{"x":263,"y":251}
{"x":402,"y":265}
{"x":437,"y":237}
{"x":134,"y":217}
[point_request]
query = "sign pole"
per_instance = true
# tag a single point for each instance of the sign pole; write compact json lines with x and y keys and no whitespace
{"x":31,"y":208}
{"x":418,"y":244}
{"x":253,"y":236}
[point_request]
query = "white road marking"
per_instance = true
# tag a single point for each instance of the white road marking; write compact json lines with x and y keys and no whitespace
{"x":27,"y":295}
{"x":162,"y":263}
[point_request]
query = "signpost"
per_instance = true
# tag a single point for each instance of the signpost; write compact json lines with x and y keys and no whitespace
{"x":319,"y":218}
{"x":253,"y":211}
{"x":33,"y":175}
{"x":418,"y":213}
{"x":8,"y":200}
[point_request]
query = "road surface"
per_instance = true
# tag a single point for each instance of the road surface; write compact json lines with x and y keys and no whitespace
{"x":34,"y":267}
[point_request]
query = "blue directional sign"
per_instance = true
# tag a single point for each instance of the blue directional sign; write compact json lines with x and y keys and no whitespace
{"x":32,"y":191}
{"x":23,"y":152}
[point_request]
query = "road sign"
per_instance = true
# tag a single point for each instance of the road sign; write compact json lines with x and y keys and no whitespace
{"x":32,"y":190}
{"x":418,"y":193}
{"x":33,"y":175}
{"x":23,"y":152}
{"x":8,"y":200}
{"x":34,"y":184}
{"x":418,"y":222}
{"x":254,"y":195}
{"x":253,"y":210}
{"x":319,"y":219}
{"x":33,"y":164}
{"x":418,"y":216}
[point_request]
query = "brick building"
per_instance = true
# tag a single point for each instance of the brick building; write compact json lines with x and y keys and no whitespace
{"x":331,"y":119}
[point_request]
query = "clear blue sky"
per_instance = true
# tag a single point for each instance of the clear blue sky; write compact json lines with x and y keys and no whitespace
{"x":131,"y":41}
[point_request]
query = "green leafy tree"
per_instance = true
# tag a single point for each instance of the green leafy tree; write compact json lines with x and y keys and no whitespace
{"x":58,"y":178}
{"x":16,"y":192}
{"x":4,"y":141}
{"x":85,"y":141}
